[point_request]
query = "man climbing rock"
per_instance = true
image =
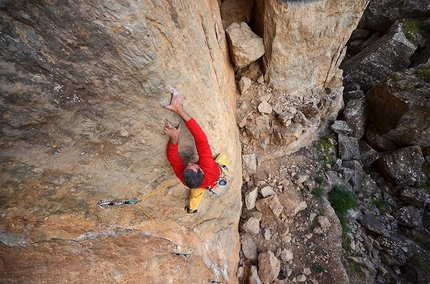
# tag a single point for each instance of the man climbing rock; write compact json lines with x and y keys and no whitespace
{"x":206,"y":173}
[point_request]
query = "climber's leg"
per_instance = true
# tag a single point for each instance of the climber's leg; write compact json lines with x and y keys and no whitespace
{"x":195,"y":197}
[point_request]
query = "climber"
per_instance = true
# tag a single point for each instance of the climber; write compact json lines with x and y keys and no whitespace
{"x":206,"y":173}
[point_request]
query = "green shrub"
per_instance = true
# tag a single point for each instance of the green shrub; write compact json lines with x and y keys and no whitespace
{"x":342,"y":200}
{"x":319,"y":268}
{"x":424,"y":72}
{"x":319,"y":180}
{"x":411,"y":29}
{"x":420,"y":262}
{"x":380,"y":204}
{"x":326,"y":149}
{"x":318,"y":191}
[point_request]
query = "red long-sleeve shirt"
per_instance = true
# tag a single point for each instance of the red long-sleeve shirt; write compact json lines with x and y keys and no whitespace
{"x":206,"y":162}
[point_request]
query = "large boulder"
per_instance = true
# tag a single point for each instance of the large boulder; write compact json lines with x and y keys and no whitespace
{"x":403,"y":166}
{"x":381,"y":14}
{"x":355,"y":115}
{"x":302,"y":69}
{"x":389,"y":54}
{"x":81,"y":85}
{"x":399,"y":107}
{"x":245,"y":45}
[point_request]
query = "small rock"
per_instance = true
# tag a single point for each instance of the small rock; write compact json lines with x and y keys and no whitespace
{"x":252,"y":225}
{"x":265,"y":108}
{"x":286,"y":255}
{"x":244,"y":84}
{"x":348,"y":147}
{"x":251,"y":198}
{"x":249,"y":248}
{"x":267,"y":234}
{"x":267,"y":191}
{"x":302,"y":206}
{"x":249,"y":163}
{"x":300,"y":178}
{"x":240,"y":272}
{"x":340,"y":127}
{"x":260,"y":79}
{"x":323,"y":222}
{"x":253,"y":277}
{"x":301,"y":278}
{"x":269,"y":206}
{"x":285,"y":117}
{"x":268,"y":266}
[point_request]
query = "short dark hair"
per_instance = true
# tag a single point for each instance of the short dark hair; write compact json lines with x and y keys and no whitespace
{"x":193,"y":179}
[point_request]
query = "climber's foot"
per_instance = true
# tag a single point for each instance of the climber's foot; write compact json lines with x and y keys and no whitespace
{"x":189,"y":211}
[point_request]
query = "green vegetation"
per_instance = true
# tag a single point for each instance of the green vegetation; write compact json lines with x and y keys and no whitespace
{"x":326,"y":149}
{"x":342,"y":200}
{"x":411,"y":29}
{"x":319,"y":268}
{"x":419,"y":237}
{"x":396,"y":77}
{"x":424,"y":72}
{"x":380,"y":204}
{"x":318,"y":191}
{"x":347,"y":57}
{"x":426,"y":170}
{"x":319,"y":180}
{"x":420,"y":263}
{"x":354,"y":270}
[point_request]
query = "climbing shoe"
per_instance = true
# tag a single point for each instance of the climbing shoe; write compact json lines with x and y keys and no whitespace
{"x":189,"y":211}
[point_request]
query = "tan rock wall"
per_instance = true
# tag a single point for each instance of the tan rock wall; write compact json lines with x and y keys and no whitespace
{"x":81,"y":86}
{"x":305,"y":41}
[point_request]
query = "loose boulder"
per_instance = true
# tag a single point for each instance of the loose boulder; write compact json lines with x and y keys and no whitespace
{"x":374,"y":62}
{"x":400,"y":101}
{"x":403,"y":166}
{"x":268,"y":267}
{"x":245,"y":45}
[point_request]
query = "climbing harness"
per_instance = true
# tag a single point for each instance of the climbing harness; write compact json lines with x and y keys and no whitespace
{"x":107,"y":203}
{"x":222,"y":180}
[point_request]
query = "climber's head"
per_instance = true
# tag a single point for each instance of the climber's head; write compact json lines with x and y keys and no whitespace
{"x":193,"y":175}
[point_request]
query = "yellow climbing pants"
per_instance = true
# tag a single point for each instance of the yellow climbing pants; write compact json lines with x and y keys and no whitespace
{"x":196,"y":194}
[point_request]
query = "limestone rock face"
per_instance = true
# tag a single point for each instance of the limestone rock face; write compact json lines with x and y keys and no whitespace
{"x":399,"y":102}
{"x":236,"y":11}
{"x":81,"y":85}
{"x":302,"y":69}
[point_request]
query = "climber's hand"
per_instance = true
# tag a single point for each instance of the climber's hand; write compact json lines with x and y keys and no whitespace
{"x":172,"y":132}
{"x":176,"y":103}
{"x":177,"y":106}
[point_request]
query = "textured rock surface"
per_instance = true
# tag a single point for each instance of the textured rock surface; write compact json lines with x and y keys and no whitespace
{"x":403,"y":166}
{"x":378,"y":18}
{"x":302,"y":69}
{"x":400,"y":101}
{"x":236,"y":11}
{"x":81,"y":86}
{"x":374,"y":62}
